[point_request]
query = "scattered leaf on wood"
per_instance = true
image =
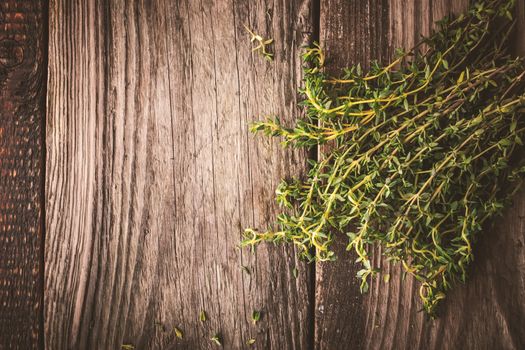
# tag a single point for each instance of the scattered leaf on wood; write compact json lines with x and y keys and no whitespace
{"x":256,"y":316}
{"x":295,"y":272}
{"x":216,"y":339}
{"x":202,"y":316}
{"x":178,"y":333}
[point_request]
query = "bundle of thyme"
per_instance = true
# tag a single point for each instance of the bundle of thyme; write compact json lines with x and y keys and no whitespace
{"x":423,"y":152}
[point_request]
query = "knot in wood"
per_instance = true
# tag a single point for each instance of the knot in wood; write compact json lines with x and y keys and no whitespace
{"x":11,"y":53}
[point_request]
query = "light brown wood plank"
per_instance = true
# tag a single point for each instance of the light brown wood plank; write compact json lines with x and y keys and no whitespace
{"x":22,"y":116}
{"x":152,"y":174}
{"x":488,"y":312}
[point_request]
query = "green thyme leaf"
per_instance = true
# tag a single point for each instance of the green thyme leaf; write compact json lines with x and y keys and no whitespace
{"x":202,"y":316}
{"x":216,"y":339}
{"x":256,"y":316}
{"x":178,"y":333}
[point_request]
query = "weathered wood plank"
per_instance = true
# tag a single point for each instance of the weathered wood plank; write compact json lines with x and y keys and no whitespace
{"x":22,"y":113}
{"x":487,"y":312}
{"x":152,"y":174}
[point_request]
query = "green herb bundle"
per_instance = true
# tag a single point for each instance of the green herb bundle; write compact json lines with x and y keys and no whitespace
{"x":422,"y":152}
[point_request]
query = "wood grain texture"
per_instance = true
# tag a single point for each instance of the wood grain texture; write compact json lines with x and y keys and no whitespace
{"x":152,"y":174}
{"x":520,"y":28}
{"x":488,"y":312}
{"x":22,"y":113}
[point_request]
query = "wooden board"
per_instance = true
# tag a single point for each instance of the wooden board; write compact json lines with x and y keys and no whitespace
{"x":486,"y":313}
{"x":22,"y":109}
{"x":152,"y":174}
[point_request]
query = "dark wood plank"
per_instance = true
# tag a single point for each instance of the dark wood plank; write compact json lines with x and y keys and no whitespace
{"x":152,"y":174}
{"x":22,"y":113}
{"x":488,"y":312}
{"x":520,"y":28}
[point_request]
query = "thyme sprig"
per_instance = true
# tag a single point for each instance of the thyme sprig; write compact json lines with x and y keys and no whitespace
{"x":217,"y":339}
{"x":262,"y":44}
{"x":424,"y":151}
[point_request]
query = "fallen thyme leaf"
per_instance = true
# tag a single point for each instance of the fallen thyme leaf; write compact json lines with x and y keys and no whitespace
{"x":256,"y":316}
{"x":178,"y":333}
{"x":216,"y":339}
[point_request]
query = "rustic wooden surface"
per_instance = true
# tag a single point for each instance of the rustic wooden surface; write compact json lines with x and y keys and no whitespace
{"x":152,"y":174}
{"x":486,"y":313}
{"x":22,"y":102}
